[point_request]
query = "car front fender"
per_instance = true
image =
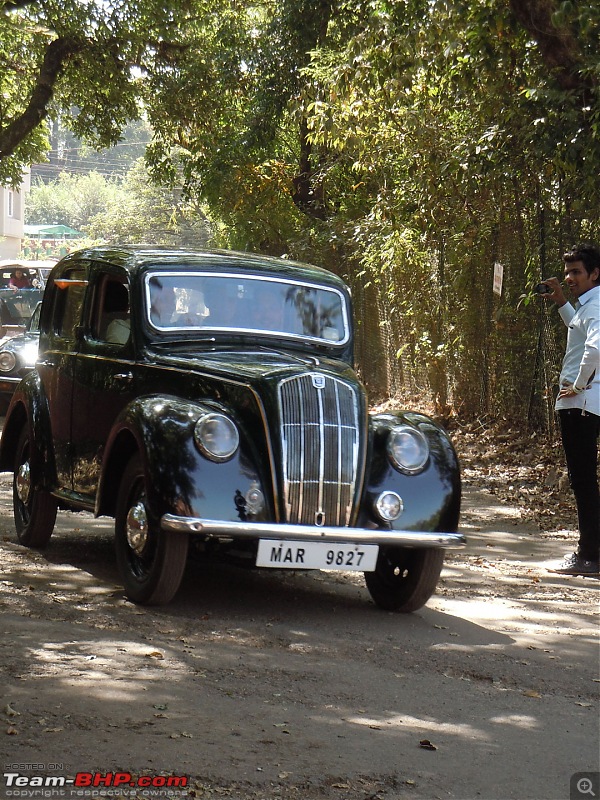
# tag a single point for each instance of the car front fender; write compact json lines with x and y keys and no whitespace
{"x":29,"y":407}
{"x":183,"y":481}
{"x":431,"y":497}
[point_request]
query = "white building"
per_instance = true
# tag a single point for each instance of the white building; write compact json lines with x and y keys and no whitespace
{"x":12,"y":214}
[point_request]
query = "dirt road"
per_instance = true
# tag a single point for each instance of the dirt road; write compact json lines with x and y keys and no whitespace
{"x":266,"y":685}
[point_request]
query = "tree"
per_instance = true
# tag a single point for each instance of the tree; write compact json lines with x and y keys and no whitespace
{"x":84,"y":60}
{"x":70,"y":154}
{"x":132,"y":210}
{"x":71,"y":200}
{"x":406,"y":144}
{"x":144,"y":213}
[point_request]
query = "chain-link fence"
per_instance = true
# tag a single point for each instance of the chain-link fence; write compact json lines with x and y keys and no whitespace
{"x":504,"y":364}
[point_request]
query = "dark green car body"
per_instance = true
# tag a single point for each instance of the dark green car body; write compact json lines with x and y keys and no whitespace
{"x":193,"y":428}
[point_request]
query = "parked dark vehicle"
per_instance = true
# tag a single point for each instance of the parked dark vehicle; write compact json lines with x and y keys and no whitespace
{"x":36,"y":271}
{"x":18,"y":355}
{"x":16,"y":309}
{"x":208,"y":400}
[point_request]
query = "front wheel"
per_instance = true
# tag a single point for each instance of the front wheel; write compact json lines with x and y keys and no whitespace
{"x":151,"y":562}
{"x":404,"y":579}
{"x":34,"y":508}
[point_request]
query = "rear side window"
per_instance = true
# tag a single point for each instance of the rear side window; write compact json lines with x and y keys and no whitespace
{"x":110,"y":316}
{"x":68,"y":303}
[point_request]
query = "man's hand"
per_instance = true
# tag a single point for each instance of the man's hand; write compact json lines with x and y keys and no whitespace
{"x":557,"y":294}
{"x":568,"y":390}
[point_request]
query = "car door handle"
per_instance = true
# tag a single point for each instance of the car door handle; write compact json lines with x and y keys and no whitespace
{"x":125,"y":377}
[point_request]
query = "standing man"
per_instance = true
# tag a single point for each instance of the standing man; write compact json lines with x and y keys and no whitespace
{"x":578,"y":401}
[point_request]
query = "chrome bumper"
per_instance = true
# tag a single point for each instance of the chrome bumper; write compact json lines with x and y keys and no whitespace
{"x":211,"y":528}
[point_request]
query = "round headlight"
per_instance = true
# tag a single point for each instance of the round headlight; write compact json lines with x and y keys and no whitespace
{"x":408,"y":449}
{"x":7,"y":361}
{"x":216,"y":436}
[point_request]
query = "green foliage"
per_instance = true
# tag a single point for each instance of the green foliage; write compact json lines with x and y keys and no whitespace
{"x":88,"y":61}
{"x":133,"y":210}
{"x":408,"y":145}
{"x":146,"y":214}
{"x":70,"y":200}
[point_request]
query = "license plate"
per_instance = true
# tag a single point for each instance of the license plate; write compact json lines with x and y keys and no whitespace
{"x":316,"y":555}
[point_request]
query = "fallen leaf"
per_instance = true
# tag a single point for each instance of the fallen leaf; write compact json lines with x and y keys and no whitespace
{"x":154,"y":654}
{"x":531,"y":693}
{"x":426,"y":745}
{"x":10,"y":712}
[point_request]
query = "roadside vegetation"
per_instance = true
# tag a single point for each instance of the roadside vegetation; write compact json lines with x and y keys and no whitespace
{"x":408,"y":146}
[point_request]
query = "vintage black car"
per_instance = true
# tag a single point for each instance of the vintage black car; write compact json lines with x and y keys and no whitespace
{"x":16,"y":309}
{"x":209,"y":400}
{"x":18,"y":355}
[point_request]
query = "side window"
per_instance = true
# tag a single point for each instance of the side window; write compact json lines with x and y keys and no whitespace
{"x":68,"y":303}
{"x":110,"y":319}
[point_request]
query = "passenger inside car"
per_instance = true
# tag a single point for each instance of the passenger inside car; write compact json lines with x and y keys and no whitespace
{"x":115,"y":315}
{"x":162,"y":303}
{"x":19,"y":280}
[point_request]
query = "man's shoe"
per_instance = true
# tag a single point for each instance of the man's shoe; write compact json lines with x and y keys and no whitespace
{"x":576,"y":565}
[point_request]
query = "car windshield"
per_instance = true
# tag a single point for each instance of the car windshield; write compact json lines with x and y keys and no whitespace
{"x":242,"y":303}
{"x":17,"y":307}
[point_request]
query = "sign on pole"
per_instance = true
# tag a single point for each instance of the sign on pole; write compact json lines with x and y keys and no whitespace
{"x":498,"y":276}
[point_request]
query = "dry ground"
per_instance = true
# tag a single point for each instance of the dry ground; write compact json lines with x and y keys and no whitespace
{"x":265,"y":685}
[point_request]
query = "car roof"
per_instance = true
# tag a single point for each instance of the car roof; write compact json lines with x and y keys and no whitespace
{"x":136,"y":259}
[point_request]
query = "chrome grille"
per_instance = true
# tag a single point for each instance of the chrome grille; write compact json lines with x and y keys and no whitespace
{"x":320,"y":437}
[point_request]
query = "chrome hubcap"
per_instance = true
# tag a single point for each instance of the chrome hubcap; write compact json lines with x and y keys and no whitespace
{"x":137,"y":528}
{"x":23,"y":482}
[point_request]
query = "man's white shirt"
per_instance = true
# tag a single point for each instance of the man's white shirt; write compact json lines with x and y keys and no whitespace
{"x":581,"y":364}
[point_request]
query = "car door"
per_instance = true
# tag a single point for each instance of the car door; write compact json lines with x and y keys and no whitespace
{"x":58,"y":351}
{"x":103,"y":379}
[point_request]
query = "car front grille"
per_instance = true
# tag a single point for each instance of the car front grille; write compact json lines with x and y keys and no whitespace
{"x":320,"y":431}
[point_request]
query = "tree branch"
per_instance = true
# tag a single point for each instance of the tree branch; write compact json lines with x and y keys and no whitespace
{"x":10,"y":5}
{"x":558,"y":47}
{"x":57,"y":54}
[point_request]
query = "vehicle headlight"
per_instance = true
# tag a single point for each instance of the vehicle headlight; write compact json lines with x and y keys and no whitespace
{"x":408,"y":449}
{"x":29,"y":354}
{"x":216,"y":436}
{"x":7,"y":361}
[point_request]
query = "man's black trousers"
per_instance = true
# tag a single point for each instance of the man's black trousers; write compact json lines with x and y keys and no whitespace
{"x":580,"y":442}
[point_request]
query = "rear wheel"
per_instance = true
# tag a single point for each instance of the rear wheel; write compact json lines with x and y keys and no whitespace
{"x":404,"y":579}
{"x":151,"y":562}
{"x":34,"y":508}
